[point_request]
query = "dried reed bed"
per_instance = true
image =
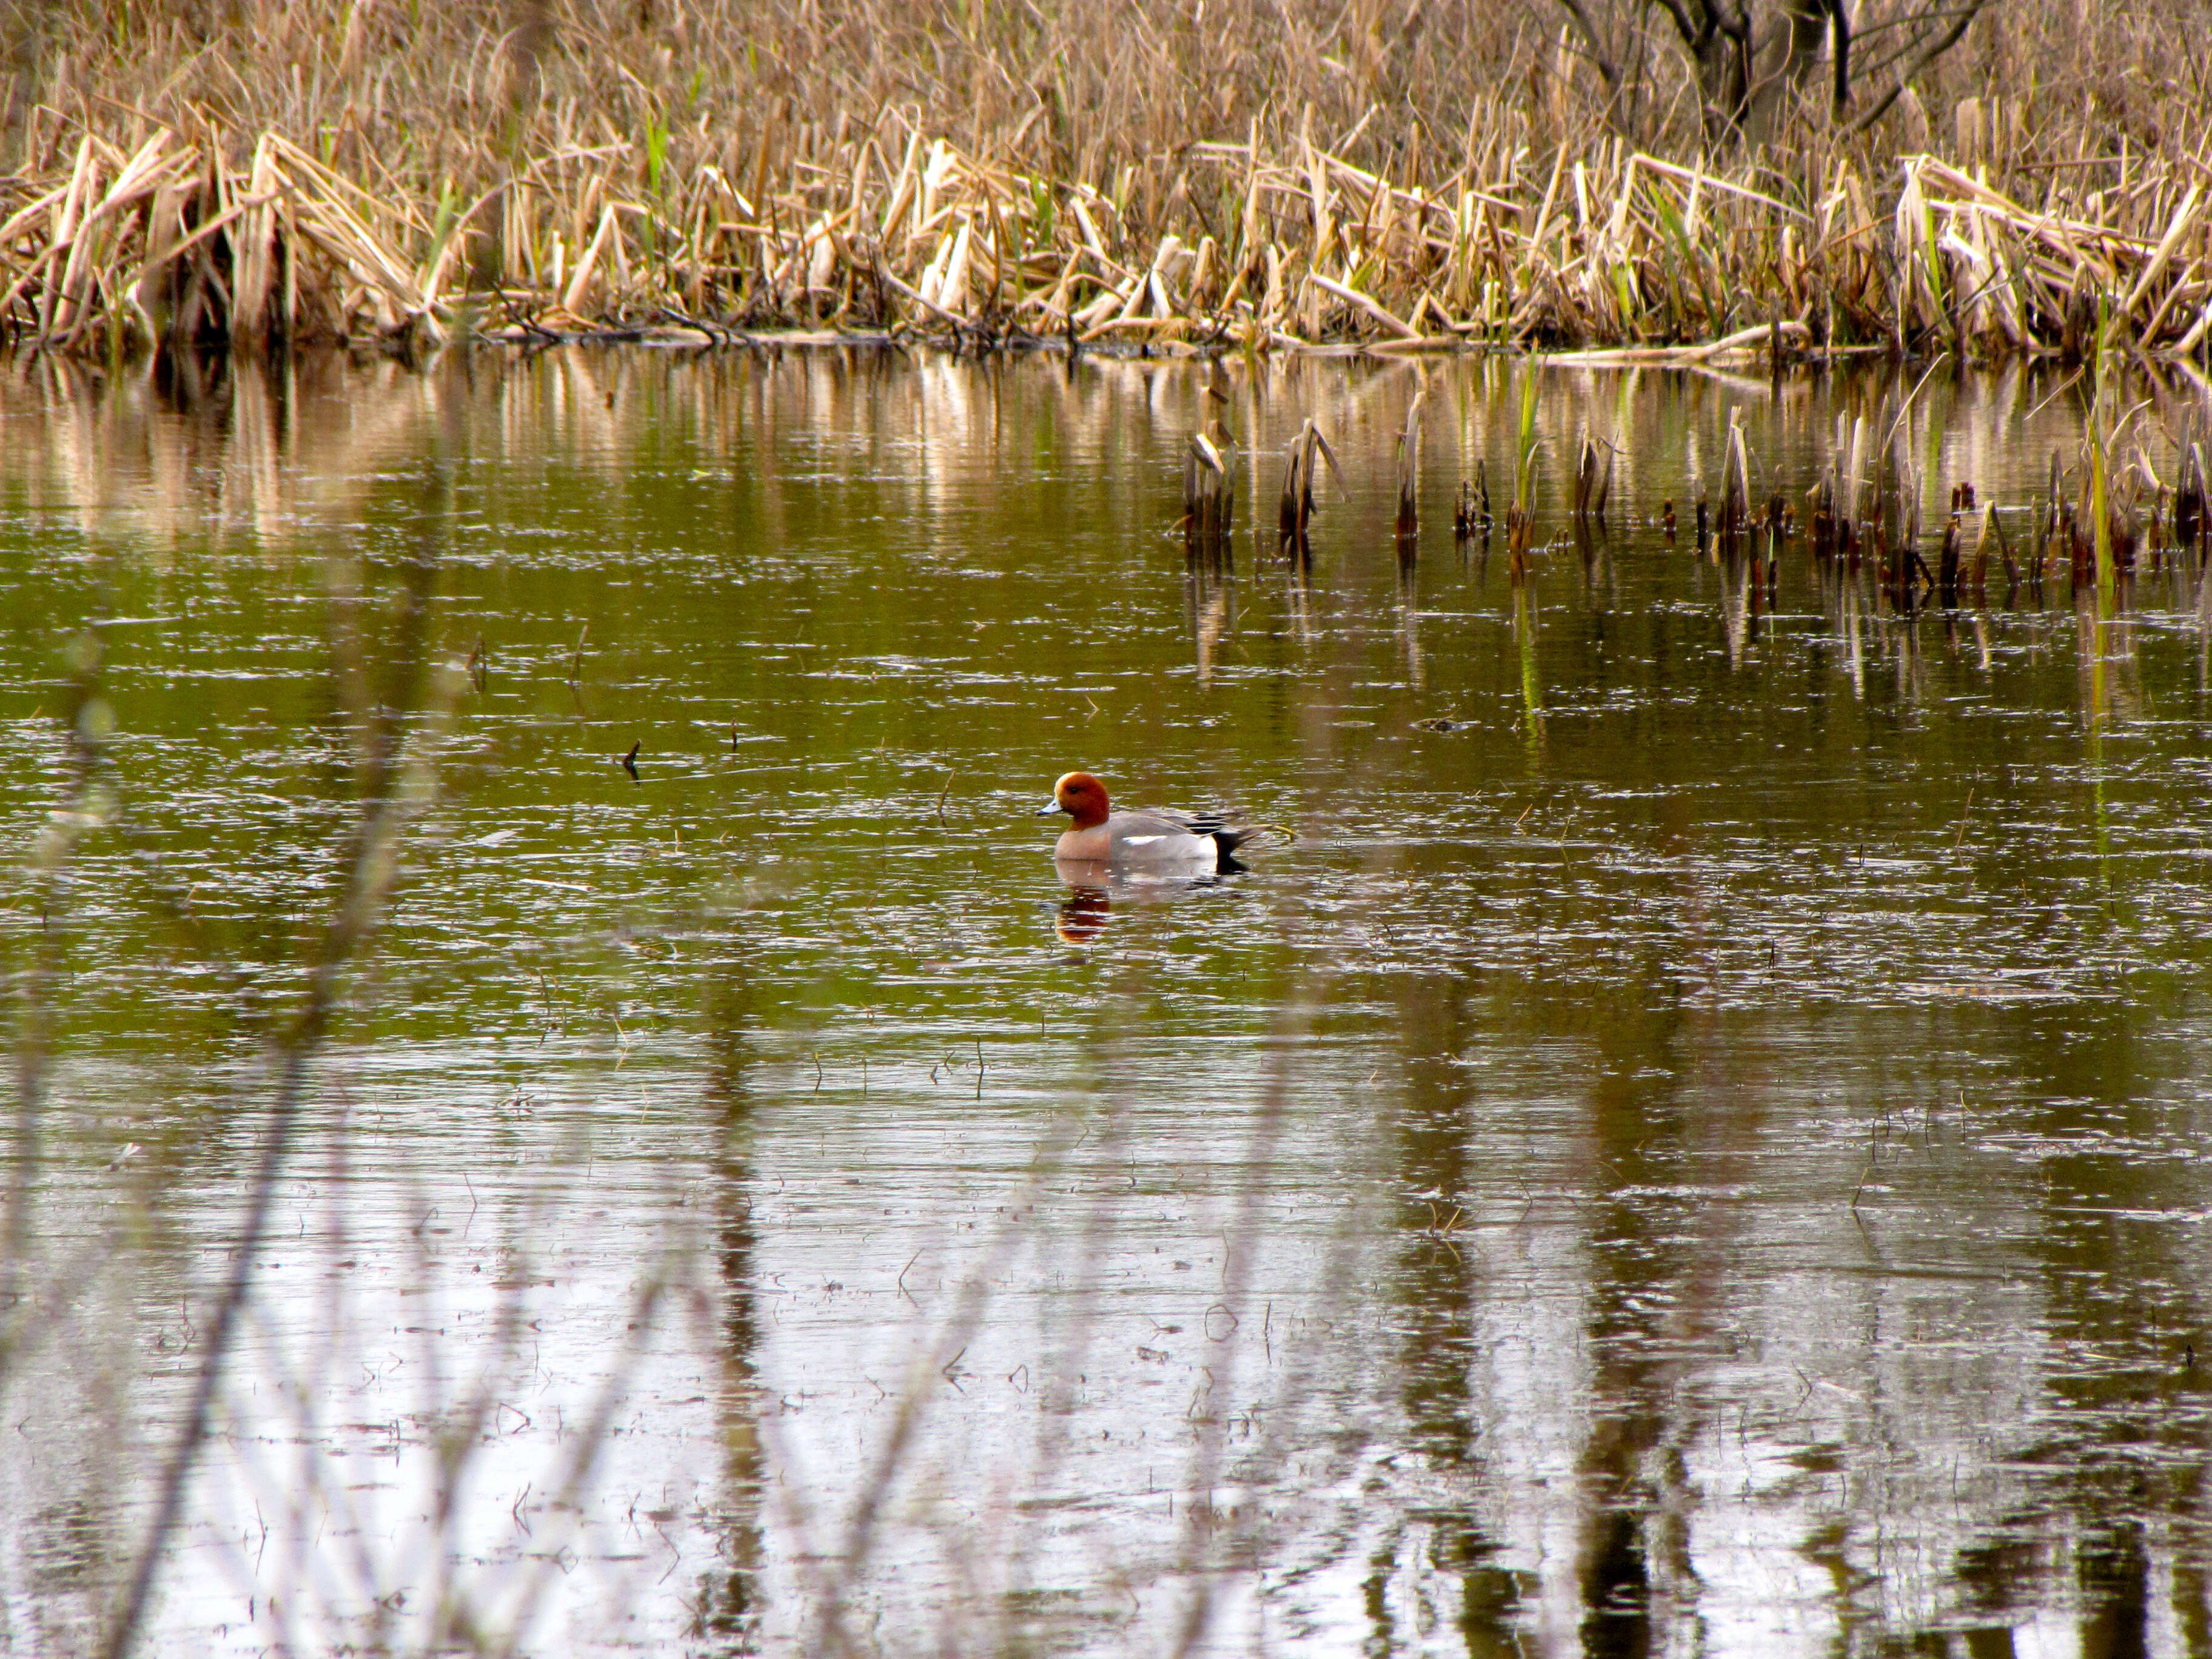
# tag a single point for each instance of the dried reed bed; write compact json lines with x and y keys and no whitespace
{"x":1150,"y":174}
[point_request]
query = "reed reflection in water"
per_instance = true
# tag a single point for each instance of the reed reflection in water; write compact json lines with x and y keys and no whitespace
{"x":1696,"y":1147}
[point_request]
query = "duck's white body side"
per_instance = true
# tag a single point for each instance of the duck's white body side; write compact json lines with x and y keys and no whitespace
{"x":1147,"y":841}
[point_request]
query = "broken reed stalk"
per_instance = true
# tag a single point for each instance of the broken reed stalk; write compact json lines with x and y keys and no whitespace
{"x":1896,"y":511}
{"x":2053,"y":526}
{"x":1295,"y":508}
{"x":1207,"y":500}
{"x":1295,"y":512}
{"x":1821,"y":534}
{"x":1521,"y":516}
{"x":1408,"y":522}
{"x":1471,"y":512}
{"x":1948,"y":563}
{"x":2189,"y":500}
{"x":1593,"y":480}
{"x":1992,"y":529}
{"x":1735,"y":488}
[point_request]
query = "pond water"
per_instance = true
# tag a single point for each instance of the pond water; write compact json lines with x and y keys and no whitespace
{"x":1698,"y":1146}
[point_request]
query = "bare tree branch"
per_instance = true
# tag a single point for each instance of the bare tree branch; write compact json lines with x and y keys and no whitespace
{"x":1607,"y":69}
{"x":1742,"y":54}
{"x":1951,"y":37}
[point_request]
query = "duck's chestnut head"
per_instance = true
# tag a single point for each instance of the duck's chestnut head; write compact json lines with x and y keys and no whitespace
{"x":1082,"y":797}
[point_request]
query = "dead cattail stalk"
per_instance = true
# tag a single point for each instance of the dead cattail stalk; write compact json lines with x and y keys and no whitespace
{"x":1408,"y":524}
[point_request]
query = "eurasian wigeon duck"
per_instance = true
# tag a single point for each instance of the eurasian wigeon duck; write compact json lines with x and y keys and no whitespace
{"x":1159,"y":842}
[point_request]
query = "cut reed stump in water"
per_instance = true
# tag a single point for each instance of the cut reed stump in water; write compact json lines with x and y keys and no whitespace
{"x":1519,"y":521}
{"x":1946,"y":563}
{"x":1821,"y":538}
{"x":1471,"y":512}
{"x":1208,"y":492}
{"x":1296,"y":510}
{"x":1408,"y":522}
{"x":1777,"y":527}
{"x":2189,"y":514}
{"x":1207,"y":498}
{"x":1736,"y":489}
{"x":1593,"y":480}
{"x":1992,"y":529}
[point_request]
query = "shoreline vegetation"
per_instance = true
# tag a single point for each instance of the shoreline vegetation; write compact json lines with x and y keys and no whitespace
{"x":1172,"y":177}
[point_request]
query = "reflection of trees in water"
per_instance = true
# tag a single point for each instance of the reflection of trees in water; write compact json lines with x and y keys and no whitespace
{"x":1647,"y":1262}
{"x":1630,"y":1493}
{"x":2092,"y":1501}
{"x":2125,"y":1442}
{"x":1437,"y":1281}
{"x":729,"y":1591}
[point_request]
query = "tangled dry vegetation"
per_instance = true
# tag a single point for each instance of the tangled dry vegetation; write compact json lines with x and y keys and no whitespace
{"x":1179,"y":174}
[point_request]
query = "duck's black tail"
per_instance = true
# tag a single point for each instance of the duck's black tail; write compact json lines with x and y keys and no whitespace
{"x":1227,"y":838}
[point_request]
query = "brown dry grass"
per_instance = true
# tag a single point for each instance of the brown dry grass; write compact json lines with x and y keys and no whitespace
{"x":1179,"y":175}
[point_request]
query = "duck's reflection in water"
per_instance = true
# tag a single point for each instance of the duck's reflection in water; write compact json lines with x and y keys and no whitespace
{"x":1095,"y":887}
{"x":1083,"y":914}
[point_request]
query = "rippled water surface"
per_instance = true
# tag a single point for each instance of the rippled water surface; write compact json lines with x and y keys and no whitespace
{"x":1698,"y":1146}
